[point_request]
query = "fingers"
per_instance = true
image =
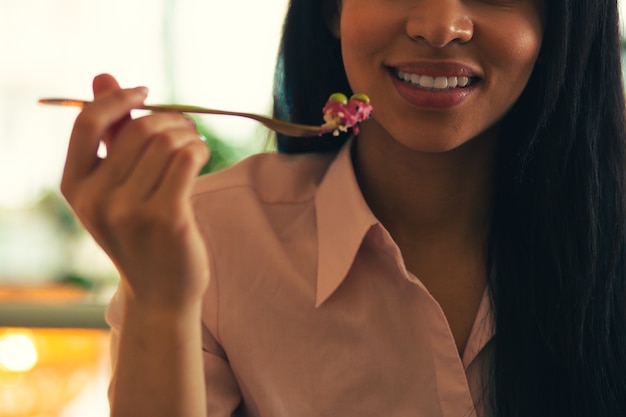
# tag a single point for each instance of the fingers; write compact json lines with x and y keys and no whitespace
{"x":134,"y":138}
{"x":176,"y":184}
{"x":90,"y":126}
{"x":140,"y":205}
{"x":152,"y":158}
{"x":103,"y":84}
{"x":160,"y":161}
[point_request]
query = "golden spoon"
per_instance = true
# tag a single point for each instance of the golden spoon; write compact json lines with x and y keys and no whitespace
{"x":280,"y":126}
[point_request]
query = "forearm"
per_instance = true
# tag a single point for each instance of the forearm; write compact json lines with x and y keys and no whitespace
{"x":159,"y":368}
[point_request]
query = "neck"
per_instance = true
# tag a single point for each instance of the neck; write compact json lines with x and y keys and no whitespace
{"x":428,"y":199}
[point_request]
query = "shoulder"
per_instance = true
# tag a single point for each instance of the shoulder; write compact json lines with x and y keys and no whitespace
{"x":270,"y":177}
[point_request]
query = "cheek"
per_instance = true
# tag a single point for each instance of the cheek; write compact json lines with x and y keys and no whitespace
{"x":525,"y":50}
{"x":509,"y":53}
{"x":512,"y":56}
{"x":366,"y":26}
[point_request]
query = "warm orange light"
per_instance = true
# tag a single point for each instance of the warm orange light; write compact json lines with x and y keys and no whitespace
{"x":41,"y":370}
{"x":17,"y":352}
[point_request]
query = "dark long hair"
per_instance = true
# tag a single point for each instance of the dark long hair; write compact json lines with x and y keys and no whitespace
{"x":558,"y":283}
{"x":557,"y":252}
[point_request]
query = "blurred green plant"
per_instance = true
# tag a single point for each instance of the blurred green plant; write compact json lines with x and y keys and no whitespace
{"x":223,"y":152}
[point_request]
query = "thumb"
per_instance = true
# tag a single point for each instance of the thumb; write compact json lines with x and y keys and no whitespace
{"x":104,"y":83}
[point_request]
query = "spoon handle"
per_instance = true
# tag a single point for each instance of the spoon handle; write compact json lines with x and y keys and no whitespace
{"x":280,"y":126}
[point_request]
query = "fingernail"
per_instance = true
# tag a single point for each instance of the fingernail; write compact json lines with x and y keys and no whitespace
{"x":142,"y":91}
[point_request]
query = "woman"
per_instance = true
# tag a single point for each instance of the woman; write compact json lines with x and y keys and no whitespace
{"x":556,"y":249}
{"x":464,"y":255}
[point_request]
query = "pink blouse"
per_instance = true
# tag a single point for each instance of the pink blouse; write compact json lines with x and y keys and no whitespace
{"x":310,"y":310}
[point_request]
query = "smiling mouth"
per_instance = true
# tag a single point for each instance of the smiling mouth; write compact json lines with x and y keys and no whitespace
{"x":432,"y":83}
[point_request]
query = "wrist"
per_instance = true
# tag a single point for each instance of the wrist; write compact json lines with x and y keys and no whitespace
{"x":174,"y":301}
{"x":158,"y":314}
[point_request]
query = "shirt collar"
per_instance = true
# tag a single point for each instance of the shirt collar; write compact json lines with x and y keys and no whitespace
{"x":482,"y":330}
{"x":343,"y":220}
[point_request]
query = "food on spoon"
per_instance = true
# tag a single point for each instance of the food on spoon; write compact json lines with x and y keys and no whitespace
{"x":342,"y":113}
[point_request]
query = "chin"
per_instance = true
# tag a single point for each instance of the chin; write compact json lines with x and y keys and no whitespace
{"x":434,"y":144}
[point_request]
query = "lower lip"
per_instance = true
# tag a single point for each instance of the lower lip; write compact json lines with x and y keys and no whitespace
{"x":442,"y":99}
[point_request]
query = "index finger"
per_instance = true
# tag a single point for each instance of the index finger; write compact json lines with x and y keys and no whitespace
{"x":91,"y":125}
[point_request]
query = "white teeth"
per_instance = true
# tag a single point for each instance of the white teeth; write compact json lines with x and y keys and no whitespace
{"x":435,"y":83}
{"x":427,"y":81}
{"x":441,"y":82}
{"x":463,"y":81}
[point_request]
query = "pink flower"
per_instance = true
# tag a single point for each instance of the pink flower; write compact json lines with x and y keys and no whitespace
{"x":342,"y":114}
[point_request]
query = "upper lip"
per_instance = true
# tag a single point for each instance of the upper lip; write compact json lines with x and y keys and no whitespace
{"x":437,"y":69}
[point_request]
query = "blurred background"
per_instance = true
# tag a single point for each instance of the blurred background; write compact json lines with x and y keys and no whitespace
{"x":54,"y":281}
